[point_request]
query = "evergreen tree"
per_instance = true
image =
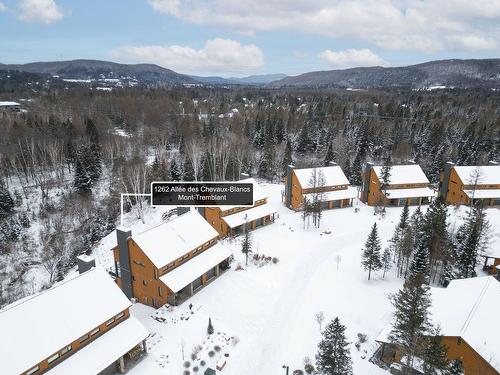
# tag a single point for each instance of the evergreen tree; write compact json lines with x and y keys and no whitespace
{"x":455,"y":368}
{"x":287,"y":158}
{"x":386,"y":261}
{"x":435,"y":361}
{"x":210,"y":328}
{"x":357,"y":170}
{"x":304,"y":142}
{"x":82,"y":181}
{"x":266,"y":166}
{"x":279,"y":131}
{"x":87,"y":168}
{"x":471,"y":240}
{"x":420,"y":262}
{"x":246,"y":245}
{"x":188,"y":170}
{"x":6,"y":202}
{"x":334,"y":357}
{"x":330,"y":156}
{"x":371,"y":253}
{"x":404,"y":218}
{"x":175,"y":171}
{"x":411,"y":319}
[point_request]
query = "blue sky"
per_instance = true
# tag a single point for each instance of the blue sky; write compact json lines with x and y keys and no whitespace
{"x":234,"y":38}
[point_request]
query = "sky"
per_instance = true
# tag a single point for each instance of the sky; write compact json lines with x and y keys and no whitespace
{"x":239,"y":38}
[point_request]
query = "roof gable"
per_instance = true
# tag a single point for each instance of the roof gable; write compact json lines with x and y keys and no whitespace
{"x":404,"y":174}
{"x":169,"y":241}
{"x":488,"y":174}
{"x":333,"y":176}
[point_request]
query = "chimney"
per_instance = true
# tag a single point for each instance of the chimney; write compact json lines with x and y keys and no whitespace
{"x":84,"y":263}
{"x":365,"y":178}
{"x":123,"y":268}
{"x":244,"y":176}
{"x":288,"y":185}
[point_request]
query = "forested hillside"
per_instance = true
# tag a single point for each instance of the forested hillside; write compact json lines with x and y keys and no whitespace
{"x":65,"y":161}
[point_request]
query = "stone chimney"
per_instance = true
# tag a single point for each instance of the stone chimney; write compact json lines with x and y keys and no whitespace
{"x":123,"y":268}
{"x":84,"y":263}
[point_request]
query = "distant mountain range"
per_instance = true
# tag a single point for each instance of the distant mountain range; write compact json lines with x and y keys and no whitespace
{"x":448,"y":73}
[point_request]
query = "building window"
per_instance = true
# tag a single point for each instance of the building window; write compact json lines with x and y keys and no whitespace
{"x":156,"y":274}
{"x":120,"y":315}
{"x":66,"y":349}
{"x":459,"y":341}
{"x":83,"y":338}
{"x":34,"y":370}
{"x":53,"y":358}
{"x":145,"y":282}
{"x":159,"y":291}
{"x":92,"y":333}
{"x":110,"y":321}
{"x":118,"y":269}
{"x":154,"y":302}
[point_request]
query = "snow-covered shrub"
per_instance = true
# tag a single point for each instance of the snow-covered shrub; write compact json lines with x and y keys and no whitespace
{"x":298,"y":372}
{"x":186,"y":364}
{"x":217,"y":348}
{"x":275,"y":260}
{"x":211,"y":353}
{"x":362,"y":338}
{"x":235,"y":340}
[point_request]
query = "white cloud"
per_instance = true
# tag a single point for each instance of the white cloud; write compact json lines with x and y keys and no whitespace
{"x":3,"y":7}
{"x":418,"y":25}
{"x":217,"y":55}
{"x":352,"y":58}
{"x":46,"y":11}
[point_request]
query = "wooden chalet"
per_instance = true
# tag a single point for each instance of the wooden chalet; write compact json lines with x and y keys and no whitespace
{"x":81,"y":326}
{"x":407,"y":184}
{"x":168,"y":263}
{"x":230,"y":220}
{"x":467,"y":184}
{"x":466,"y":312}
{"x":334,"y":192}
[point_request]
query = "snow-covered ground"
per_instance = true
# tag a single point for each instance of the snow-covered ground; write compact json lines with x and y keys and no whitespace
{"x":264,"y":317}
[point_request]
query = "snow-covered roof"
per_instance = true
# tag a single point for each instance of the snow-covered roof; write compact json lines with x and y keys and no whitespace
{"x":469,"y":308}
{"x":195,"y":267}
{"x":404,"y":174}
{"x":41,"y":325}
{"x":169,"y":241}
{"x":8,"y":104}
{"x":102,"y":352}
{"x":410,"y":193}
{"x":333,"y":176}
{"x":483,"y":193}
{"x":258,"y":192}
{"x":249,"y":215}
{"x":488,"y":174}
{"x":349,"y":193}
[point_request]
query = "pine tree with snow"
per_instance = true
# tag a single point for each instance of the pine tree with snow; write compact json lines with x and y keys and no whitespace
{"x":304,"y":142}
{"x":287,"y":158}
{"x":210,"y":328}
{"x":434,"y":355}
{"x":188,"y":174}
{"x":454,"y":368}
{"x":334,"y":357}
{"x":411,"y":319}
{"x":386,"y":260}
{"x":371,"y":260}
{"x":471,"y":240}
{"x":385,"y":175}
{"x":330,"y":155}
{"x":82,"y":181}
{"x":420,"y":262}
{"x":266,"y":165}
{"x":175,"y":170}
{"x":357,"y":170}
{"x":6,"y":202}
{"x":404,"y":218}
{"x":246,"y":245}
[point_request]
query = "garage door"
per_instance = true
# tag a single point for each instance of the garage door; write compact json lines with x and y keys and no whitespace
{"x":336,"y":204}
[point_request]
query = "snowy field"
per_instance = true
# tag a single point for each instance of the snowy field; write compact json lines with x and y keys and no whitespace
{"x":264,"y":317}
